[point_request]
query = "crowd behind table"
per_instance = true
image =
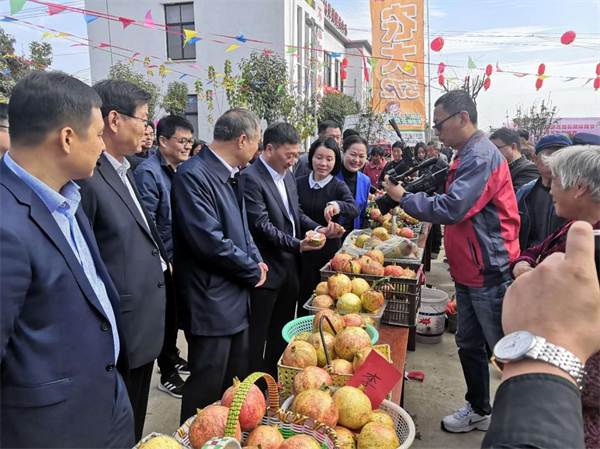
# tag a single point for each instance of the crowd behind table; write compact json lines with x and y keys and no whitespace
{"x":161,"y":233}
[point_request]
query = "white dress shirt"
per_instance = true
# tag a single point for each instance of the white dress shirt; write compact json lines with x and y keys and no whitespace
{"x":280,"y":184}
{"x":232,"y":170}
{"x":121,"y":168}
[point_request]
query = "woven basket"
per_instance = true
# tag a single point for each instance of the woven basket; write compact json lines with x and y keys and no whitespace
{"x":405,"y":426}
{"x":305,"y":324}
{"x":289,"y":423}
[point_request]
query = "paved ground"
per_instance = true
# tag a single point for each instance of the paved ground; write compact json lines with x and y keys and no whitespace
{"x":442,"y":392}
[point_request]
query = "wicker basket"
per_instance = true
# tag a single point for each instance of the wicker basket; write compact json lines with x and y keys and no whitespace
{"x":403,"y":296}
{"x":305,"y":324}
{"x":376,"y":317}
{"x":405,"y":426}
{"x":289,"y":423}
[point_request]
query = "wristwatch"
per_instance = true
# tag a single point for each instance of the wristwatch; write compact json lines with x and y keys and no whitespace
{"x":521,"y":344}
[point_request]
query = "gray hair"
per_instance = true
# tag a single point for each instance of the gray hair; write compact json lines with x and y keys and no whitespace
{"x":577,"y":165}
{"x":236,"y":122}
{"x":436,"y":144}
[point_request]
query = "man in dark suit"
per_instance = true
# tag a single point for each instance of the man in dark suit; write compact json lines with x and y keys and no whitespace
{"x":128,"y":240}
{"x":278,"y":226}
{"x":153,"y":178}
{"x":216,"y":263}
{"x":62,"y":353}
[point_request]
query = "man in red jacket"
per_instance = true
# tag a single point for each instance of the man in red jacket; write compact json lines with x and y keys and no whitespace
{"x":480,"y":212}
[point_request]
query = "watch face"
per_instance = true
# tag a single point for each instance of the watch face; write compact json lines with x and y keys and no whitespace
{"x":514,"y":346}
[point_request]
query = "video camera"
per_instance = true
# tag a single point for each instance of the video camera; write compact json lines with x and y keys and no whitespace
{"x":407,"y":155}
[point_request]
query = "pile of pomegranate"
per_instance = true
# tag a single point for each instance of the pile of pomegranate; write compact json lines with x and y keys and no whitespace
{"x":370,"y":263}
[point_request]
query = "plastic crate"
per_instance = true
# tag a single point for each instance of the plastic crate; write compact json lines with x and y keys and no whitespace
{"x":403,"y":296}
{"x":305,"y":324}
{"x":376,"y":317}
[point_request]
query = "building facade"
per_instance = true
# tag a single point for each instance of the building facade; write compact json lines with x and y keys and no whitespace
{"x":310,"y":34}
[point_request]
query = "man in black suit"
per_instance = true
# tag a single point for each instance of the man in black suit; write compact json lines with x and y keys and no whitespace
{"x":278,"y":226}
{"x":128,"y":240}
{"x":216,"y":263}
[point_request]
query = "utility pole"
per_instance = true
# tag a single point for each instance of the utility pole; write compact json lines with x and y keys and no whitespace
{"x":429,"y":78}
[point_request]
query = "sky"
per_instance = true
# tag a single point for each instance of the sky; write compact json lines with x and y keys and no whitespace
{"x":517,"y":35}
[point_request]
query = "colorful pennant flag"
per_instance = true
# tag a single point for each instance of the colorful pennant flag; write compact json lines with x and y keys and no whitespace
{"x":471,"y":64}
{"x":291,"y":50}
{"x":241,"y":38}
{"x":587,"y":82}
{"x":520,"y":75}
{"x":16,"y":5}
{"x":498,"y":69}
{"x":126,"y":22}
{"x":408,"y":66}
{"x":135,"y":54}
{"x":189,"y":34}
{"x":103,"y":45}
{"x":542,"y":77}
{"x":5,"y":72}
{"x":79,"y":45}
{"x":167,"y":71}
{"x":195,"y":67}
{"x":150,"y":72}
{"x":45,"y":35}
{"x":232,"y":47}
{"x":7,"y":19}
{"x":279,"y":88}
{"x":336,"y":55}
{"x":373,"y":62}
{"x":61,"y":34}
{"x":183,"y":76}
{"x":267,"y":53}
{"x":194,"y":40}
{"x":54,"y":8}
{"x":570,"y":79}
{"x":148,"y":21}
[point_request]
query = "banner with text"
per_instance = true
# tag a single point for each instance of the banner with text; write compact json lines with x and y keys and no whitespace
{"x":398,"y":73}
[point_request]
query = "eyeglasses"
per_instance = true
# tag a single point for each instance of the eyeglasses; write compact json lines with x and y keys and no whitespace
{"x":502,"y":146}
{"x":145,"y":121}
{"x":183,"y":141}
{"x":438,"y":127}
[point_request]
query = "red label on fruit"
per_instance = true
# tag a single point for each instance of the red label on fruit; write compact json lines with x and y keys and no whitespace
{"x":378,"y":376}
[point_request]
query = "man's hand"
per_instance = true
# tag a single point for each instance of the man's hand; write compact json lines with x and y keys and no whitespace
{"x":330,"y":211}
{"x":395,"y":192}
{"x":332,"y":230}
{"x":521,"y":268}
{"x":560,"y":299}
{"x":263,"y":274}
{"x":305,"y":246}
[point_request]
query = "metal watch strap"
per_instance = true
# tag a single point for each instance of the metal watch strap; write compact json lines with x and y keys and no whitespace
{"x":559,"y":357}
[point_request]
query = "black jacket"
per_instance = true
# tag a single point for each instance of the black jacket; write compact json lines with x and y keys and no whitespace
{"x":522,"y":171}
{"x":215,"y":260}
{"x":129,"y":250}
{"x":536,"y":411}
{"x":269,"y":222}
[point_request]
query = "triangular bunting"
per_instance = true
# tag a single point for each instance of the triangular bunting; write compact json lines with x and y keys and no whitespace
{"x":16,"y":5}
{"x":241,"y":38}
{"x":79,"y":45}
{"x":520,"y":75}
{"x":103,"y":45}
{"x":570,"y":79}
{"x":126,"y":22}
{"x":89,"y":18}
{"x":232,"y":47}
{"x":279,"y":88}
{"x":45,"y":35}
{"x":587,"y":82}
{"x":148,"y":21}
{"x":150,"y":72}
{"x":135,"y":54}
{"x":183,"y":76}
{"x":61,"y":34}
{"x":471,"y":64}
{"x":194,"y":40}
{"x":498,"y":69}
{"x":336,"y":55}
{"x":54,"y":8}
{"x":7,"y":19}
{"x":373,"y":62}
{"x":291,"y":50}
{"x":267,"y":52}
{"x":189,"y":34}
{"x":543,"y":77}
{"x":408,"y":66}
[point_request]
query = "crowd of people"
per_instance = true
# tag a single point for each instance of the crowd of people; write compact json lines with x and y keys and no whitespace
{"x":116,"y":233}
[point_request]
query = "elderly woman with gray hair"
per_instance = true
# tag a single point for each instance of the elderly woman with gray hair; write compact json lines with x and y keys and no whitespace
{"x":576,"y":192}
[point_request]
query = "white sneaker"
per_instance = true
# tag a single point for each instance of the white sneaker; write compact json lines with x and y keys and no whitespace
{"x":465,"y":420}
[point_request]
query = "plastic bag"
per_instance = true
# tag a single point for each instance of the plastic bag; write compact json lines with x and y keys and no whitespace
{"x":393,"y":248}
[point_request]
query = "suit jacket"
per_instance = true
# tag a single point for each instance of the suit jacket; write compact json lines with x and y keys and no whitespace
{"x":129,"y":250}
{"x":215,"y":259}
{"x":153,"y":177}
{"x":57,"y":370}
{"x":270,"y":224}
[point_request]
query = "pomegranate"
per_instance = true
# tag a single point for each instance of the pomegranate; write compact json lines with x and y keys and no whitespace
{"x":345,"y":437}
{"x":375,"y":254}
{"x":302,"y":336}
{"x":336,"y":262}
{"x":336,"y":320}
{"x":315,"y":340}
{"x":351,"y":340}
{"x":254,"y":406}
{"x":300,"y":442}
{"x":359,"y":286}
{"x":349,"y":303}
{"x":354,"y":320}
{"x":409,"y":274}
{"x":210,"y":423}
{"x":407,"y":233}
{"x":371,"y":321}
{"x":341,"y":366}
{"x":323,"y":302}
{"x":375,"y":214}
{"x":351,"y":266}
{"x":361,"y":240}
{"x":309,"y":378}
{"x":299,"y":354}
{"x":362,"y":355}
{"x":393,"y":270}
{"x":377,"y":435}
{"x":322,"y":289}
{"x":372,"y":300}
{"x":318,"y":405}
{"x":161,"y":442}
{"x":374,"y":268}
{"x":315,"y":238}
{"x":354,"y":407}
{"x":266,"y":437}
{"x":364,"y":261}
{"x":338,"y":285}
{"x":382,"y":418}
{"x":381,"y":233}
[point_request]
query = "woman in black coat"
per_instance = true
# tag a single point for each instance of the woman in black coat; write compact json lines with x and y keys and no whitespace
{"x":324,"y":198}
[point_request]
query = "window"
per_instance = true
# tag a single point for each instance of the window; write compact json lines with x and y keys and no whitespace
{"x":178,"y":18}
{"x":191,"y":112}
{"x":338,"y":74}
{"x":300,"y":26}
{"x":327,"y":70}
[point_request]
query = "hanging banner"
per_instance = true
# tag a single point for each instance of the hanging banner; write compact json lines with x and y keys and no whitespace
{"x":399,"y":73}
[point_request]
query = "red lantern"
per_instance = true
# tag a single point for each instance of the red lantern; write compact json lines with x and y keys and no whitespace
{"x":343,"y":75}
{"x":437,"y":44}
{"x":442,"y":67}
{"x":487,"y":83}
{"x":538,"y":83}
{"x":489,"y":69}
{"x":597,"y":83}
{"x":441,"y":79}
{"x":344,"y":63}
{"x":568,"y":37}
{"x":598,"y":70}
{"x":541,"y":69}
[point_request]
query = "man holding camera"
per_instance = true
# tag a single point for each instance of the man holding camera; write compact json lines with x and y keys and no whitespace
{"x":480,"y":212}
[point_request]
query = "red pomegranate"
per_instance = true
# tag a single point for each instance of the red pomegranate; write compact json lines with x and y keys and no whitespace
{"x":210,"y":423}
{"x":362,"y":355}
{"x":323,"y":302}
{"x":266,"y":437}
{"x":336,"y":320}
{"x":372,"y":300}
{"x":374,"y":268}
{"x":376,"y":254}
{"x":364,"y":261}
{"x":341,"y":366}
{"x":300,"y":442}
{"x":299,"y":354}
{"x":254,"y":406}
{"x":338,"y":259}
{"x":407,"y":233}
{"x":318,"y":405}
{"x":311,"y":378}
{"x":345,"y":437}
{"x":393,"y":270}
{"x":350,"y":341}
{"x":354,"y":320}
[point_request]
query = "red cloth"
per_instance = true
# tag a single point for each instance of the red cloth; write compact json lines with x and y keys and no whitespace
{"x":374,"y":172}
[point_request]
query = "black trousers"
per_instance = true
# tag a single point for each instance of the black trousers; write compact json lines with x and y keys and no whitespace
{"x":138,"y":388}
{"x":168,"y":355}
{"x":436,"y":243}
{"x":271,"y":309}
{"x":121,"y":434}
{"x":213,"y":362}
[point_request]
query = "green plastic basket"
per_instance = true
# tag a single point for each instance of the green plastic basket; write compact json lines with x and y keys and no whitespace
{"x":305,"y":324}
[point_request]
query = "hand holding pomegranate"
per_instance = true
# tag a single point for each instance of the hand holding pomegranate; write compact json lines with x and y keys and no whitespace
{"x":521,"y":268}
{"x":332,"y":231}
{"x":308,"y":244}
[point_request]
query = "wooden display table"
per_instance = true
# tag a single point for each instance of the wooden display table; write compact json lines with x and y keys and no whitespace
{"x":397,"y":338}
